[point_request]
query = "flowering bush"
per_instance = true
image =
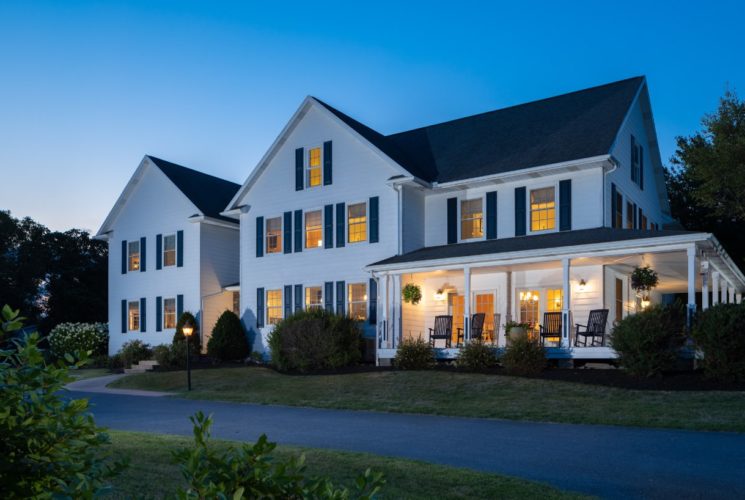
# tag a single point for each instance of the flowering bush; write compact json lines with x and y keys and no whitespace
{"x":70,"y":337}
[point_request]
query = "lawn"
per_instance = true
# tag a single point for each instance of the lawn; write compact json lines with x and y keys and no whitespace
{"x":460,"y":394}
{"x":85,"y":373}
{"x":152,"y":474}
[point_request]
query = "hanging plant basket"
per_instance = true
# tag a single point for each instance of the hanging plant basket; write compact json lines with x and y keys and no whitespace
{"x":412,"y":293}
{"x":644,"y":279}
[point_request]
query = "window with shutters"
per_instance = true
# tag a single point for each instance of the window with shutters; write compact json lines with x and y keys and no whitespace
{"x":357,"y":222}
{"x":169,"y":250}
{"x":274,"y":235}
{"x":636,"y":161}
{"x":169,"y":313}
{"x":543,"y":209}
{"x":313,"y":229}
{"x":619,"y":210}
{"x":133,"y":256}
{"x":273,"y":306}
{"x":471,"y":219}
{"x":313,"y":297}
{"x":133,"y":316}
{"x":314,"y":171}
{"x":629,"y":215}
{"x":643,"y":222}
{"x":357,"y":301}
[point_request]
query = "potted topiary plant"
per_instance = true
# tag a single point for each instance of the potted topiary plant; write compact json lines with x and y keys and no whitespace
{"x":412,"y":293}
{"x":643,"y":280}
{"x":514,"y":329}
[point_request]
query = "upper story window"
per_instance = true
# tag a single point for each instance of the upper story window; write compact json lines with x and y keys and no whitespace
{"x":542,"y":209}
{"x":313,"y":229}
{"x":169,"y":250}
{"x":133,"y":316}
{"x":357,"y":222}
{"x":133,"y":256}
{"x":169,"y":313}
{"x":618,"y":216}
{"x":471,"y":219}
{"x":274,"y":235}
{"x":273,"y":306}
{"x":314,"y":172}
{"x":357,"y":294}
{"x":642,"y":221}
{"x":629,"y":215}
{"x":637,"y":163}
{"x":313,"y":297}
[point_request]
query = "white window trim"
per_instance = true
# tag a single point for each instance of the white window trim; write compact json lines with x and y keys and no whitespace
{"x":129,"y":256}
{"x":367,"y":221}
{"x":163,"y":251}
{"x":163,"y":313}
{"x":281,"y":251}
{"x":557,"y":214}
{"x":365,"y":300}
{"x":266,"y":305}
{"x":306,"y":166}
{"x":461,"y":199}
{"x":542,"y":301}
{"x":139,"y":316}
{"x":305,"y":295}
{"x":323,"y":228}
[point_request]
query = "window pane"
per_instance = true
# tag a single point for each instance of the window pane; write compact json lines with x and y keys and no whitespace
{"x":529,"y":307}
{"x":134,"y":316}
{"x":169,"y":313}
{"x":134,"y":255}
{"x":471,"y":219}
{"x":554,"y":297}
{"x":357,"y":298}
{"x":542,"y":209}
{"x":273,"y":306}
{"x":274,"y":235}
{"x":629,"y":216}
{"x":357,"y":222}
{"x":169,"y":250}
{"x":313,"y":238}
{"x":314,"y":167}
{"x":313,"y":297}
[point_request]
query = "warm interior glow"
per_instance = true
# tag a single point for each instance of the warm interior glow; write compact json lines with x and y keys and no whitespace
{"x":314,"y":167}
{"x":357,"y":222}
{"x":542,"y":209}
{"x":471,"y":219}
{"x":274,"y":235}
{"x":313,"y":230}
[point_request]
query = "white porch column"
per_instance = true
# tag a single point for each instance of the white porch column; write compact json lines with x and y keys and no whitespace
{"x":738,"y":298}
{"x":395,"y":323}
{"x":383,"y":308}
{"x":731,"y":295}
{"x":466,"y":304}
{"x":715,"y":288}
{"x":691,"y":282}
{"x":705,"y":285}
{"x":724,"y":292}
{"x":566,"y":303}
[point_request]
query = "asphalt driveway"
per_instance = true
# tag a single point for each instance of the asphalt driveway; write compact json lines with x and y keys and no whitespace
{"x":607,"y":461}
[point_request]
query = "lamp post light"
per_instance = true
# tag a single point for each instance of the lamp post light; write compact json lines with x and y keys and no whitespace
{"x":188,"y":329}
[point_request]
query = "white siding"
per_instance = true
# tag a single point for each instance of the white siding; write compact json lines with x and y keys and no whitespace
{"x":219,"y":268}
{"x":413,"y":219}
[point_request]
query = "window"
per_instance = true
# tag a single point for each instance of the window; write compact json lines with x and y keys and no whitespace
{"x":357,"y":293}
{"x":237,"y":303}
{"x":554,"y":298}
{"x":133,"y":253}
{"x":637,"y":161}
{"x":273,"y":306}
{"x":169,"y":250}
{"x":313,"y":297}
{"x":530,"y":307}
{"x":629,"y":215}
{"x":169,"y":313}
{"x":619,"y":211}
{"x":357,"y":222}
{"x":643,"y":222}
{"x":485,"y":304}
{"x":542,"y":209}
{"x":313,"y":232}
{"x":274,"y":235}
{"x":133,"y":316}
{"x":313,"y":175}
{"x":471,"y":219}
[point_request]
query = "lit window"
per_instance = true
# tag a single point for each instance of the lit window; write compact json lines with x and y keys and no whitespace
{"x":629,"y":215}
{"x":133,"y":251}
{"x":542,"y":209}
{"x":357,"y":294}
{"x":530,"y":307}
{"x":554,"y":297}
{"x":169,"y":313}
{"x":313,"y":238}
{"x":314,"y":167}
{"x":471,"y":219}
{"x":169,"y":250}
{"x":357,"y":222}
{"x":134,"y":316}
{"x":313,"y":297}
{"x":274,"y":235}
{"x":273,"y":306}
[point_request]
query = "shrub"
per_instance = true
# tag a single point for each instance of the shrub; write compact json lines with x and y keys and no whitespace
{"x":647,"y":343}
{"x":50,"y":446}
{"x":315,"y":340}
{"x":477,"y":357}
{"x":115,"y":362}
{"x":414,"y":354}
{"x":523,"y":356}
{"x":170,"y":357}
{"x":720,"y":333}
{"x":195,"y":339}
{"x":133,"y":352}
{"x":228,"y":340}
{"x":251,"y":472}
{"x":84,"y":337}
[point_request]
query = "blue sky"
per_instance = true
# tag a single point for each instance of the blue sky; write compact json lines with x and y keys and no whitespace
{"x":88,"y":88}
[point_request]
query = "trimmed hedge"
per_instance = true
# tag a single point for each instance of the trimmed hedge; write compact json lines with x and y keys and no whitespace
{"x":228,"y":341}
{"x":720,"y":333}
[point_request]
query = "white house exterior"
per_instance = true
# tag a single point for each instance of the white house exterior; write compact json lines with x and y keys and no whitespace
{"x":170,"y":251}
{"x":546,"y":206}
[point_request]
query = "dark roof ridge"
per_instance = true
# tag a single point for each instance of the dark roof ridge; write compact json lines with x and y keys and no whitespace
{"x":156,"y":160}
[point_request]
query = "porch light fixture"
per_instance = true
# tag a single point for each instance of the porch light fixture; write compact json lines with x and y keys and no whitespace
{"x":440,"y":294}
{"x":645,"y":302}
{"x":582,"y":285}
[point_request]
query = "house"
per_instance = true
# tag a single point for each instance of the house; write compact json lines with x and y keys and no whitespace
{"x":170,"y":251}
{"x":542,"y":207}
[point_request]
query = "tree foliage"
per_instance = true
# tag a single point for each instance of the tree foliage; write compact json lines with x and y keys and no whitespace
{"x":228,"y":340}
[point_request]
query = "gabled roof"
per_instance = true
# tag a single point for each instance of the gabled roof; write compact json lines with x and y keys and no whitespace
{"x":578,"y":125}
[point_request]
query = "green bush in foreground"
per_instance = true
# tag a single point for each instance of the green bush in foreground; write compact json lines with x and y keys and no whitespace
{"x":476,"y":356}
{"x":70,"y":337}
{"x":414,"y":354}
{"x":523,"y":356}
{"x":720,"y":333}
{"x":228,"y":340}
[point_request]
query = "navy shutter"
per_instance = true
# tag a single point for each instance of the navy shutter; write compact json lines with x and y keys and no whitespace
{"x":491,"y":215}
{"x":259,"y":308}
{"x":452,"y":220}
{"x":179,"y":306}
{"x":287,"y":230}
{"x":143,"y":314}
{"x":259,"y":236}
{"x":328,"y":226}
{"x":340,"y":233}
{"x":298,"y":230}
{"x":520,"y":211}
{"x":288,"y":301}
{"x":124,"y":256}
{"x":636,"y":220}
{"x":372,"y":302}
{"x":299,"y":177}
{"x":298,"y":298}
{"x":328,"y":295}
{"x":612,"y":205}
{"x":641,"y":221}
{"x":340,"y":298}
{"x":327,"y":163}
{"x":143,"y":255}
{"x":641,"y":167}
{"x":124,"y":316}
{"x":374,"y":229}
{"x":179,"y":249}
{"x":632,"y":154}
{"x":158,"y":314}
{"x":565,"y":205}
{"x":159,"y":251}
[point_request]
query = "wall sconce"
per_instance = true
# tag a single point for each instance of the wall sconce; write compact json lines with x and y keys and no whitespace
{"x":645,"y":302}
{"x":440,"y":294}
{"x":582,"y":285}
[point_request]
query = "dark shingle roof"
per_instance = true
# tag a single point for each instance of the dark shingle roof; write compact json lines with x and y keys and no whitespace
{"x":567,"y":127}
{"x":527,"y":243}
{"x":210,"y":194}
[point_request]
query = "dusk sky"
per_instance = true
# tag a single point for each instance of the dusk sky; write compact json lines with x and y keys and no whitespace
{"x":88,"y":88}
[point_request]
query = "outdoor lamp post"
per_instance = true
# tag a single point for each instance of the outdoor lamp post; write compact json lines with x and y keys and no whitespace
{"x":188,"y":329}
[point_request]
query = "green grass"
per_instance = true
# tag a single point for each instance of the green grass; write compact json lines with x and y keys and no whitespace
{"x":151,"y":472}
{"x":460,"y":394}
{"x":89,"y":373}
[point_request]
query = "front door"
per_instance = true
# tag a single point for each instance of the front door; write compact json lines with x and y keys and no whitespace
{"x":485,"y":304}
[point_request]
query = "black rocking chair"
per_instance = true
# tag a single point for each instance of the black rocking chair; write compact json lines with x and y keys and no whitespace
{"x":551,"y":327}
{"x":443,"y":330}
{"x":477,"y":327}
{"x":594,"y":329}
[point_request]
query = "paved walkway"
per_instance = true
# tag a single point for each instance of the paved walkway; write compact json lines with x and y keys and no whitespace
{"x":607,"y":461}
{"x":98,"y":385}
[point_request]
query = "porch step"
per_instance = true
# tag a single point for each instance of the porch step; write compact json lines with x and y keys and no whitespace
{"x":142,"y":366}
